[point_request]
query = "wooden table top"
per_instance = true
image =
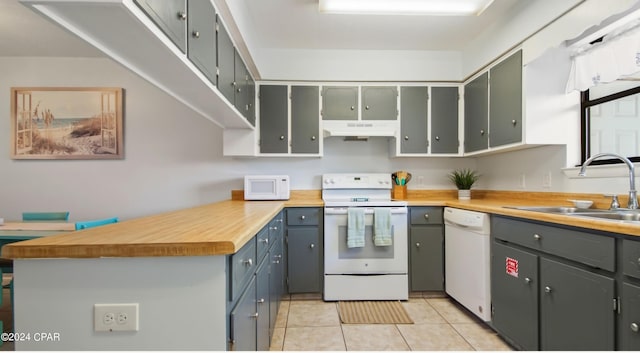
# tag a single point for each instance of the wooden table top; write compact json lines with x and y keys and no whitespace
{"x":222,"y":228}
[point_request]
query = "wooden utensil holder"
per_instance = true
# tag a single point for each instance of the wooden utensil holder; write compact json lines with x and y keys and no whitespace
{"x":399,"y":192}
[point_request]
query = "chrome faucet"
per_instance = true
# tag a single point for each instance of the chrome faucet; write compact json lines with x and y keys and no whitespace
{"x":633,"y":199}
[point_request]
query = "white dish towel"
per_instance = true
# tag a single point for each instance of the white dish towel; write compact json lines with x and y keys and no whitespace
{"x":382,"y":227}
{"x":355,"y":227}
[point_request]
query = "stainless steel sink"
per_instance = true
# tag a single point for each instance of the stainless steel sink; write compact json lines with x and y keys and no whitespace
{"x":626,"y":215}
{"x":632,"y":216}
{"x":558,"y":209}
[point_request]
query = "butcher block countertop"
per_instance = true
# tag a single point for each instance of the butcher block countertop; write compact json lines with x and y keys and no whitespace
{"x":222,"y":228}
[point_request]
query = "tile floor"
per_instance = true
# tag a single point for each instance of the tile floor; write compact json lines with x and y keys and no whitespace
{"x":439,"y":324}
{"x":306,"y":323}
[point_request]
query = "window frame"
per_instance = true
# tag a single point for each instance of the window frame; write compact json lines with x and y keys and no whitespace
{"x":585,"y":120}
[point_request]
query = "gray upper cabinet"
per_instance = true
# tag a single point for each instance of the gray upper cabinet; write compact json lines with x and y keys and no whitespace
{"x":241,"y":85}
{"x":340,"y":103}
{"x":305,"y":115}
{"x":170,"y":16}
{"x":226,"y":63}
{"x":476,"y":110}
{"x":414,"y":102}
{"x":273,"y":119}
{"x":202,"y":37}
{"x":379,"y":103}
{"x":444,"y":120}
{"x":505,"y":101}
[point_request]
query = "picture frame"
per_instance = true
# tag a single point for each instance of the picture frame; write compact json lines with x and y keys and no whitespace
{"x":66,"y":123}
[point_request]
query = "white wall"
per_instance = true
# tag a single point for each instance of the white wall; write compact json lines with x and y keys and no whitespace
{"x":173,"y":157}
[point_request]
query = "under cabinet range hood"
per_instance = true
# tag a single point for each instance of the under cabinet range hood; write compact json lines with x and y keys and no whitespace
{"x":360,"y":128}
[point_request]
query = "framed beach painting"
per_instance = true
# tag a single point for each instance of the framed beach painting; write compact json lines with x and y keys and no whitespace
{"x":66,"y":123}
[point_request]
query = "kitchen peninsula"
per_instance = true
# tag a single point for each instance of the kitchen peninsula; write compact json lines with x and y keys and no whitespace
{"x":174,"y":265}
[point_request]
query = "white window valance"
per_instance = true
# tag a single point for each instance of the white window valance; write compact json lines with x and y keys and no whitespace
{"x":615,"y":57}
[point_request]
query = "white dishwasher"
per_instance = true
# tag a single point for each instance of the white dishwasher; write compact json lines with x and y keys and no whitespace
{"x":467,"y":259}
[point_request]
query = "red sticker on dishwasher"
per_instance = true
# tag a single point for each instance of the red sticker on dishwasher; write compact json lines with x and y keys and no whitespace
{"x":512,"y":267}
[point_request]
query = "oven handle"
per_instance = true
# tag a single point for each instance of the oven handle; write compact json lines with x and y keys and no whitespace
{"x":368,"y":210}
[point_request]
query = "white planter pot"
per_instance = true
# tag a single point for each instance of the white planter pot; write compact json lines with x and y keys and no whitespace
{"x":464,"y":194}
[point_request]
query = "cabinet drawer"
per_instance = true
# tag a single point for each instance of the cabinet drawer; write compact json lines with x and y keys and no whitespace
{"x":426,"y":215}
{"x":276,"y":229}
{"x":587,"y":248}
{"x":242,"y":266}
{"x":262,"y":243}
{"x":303,"y":216}
{"x":631,"y":258}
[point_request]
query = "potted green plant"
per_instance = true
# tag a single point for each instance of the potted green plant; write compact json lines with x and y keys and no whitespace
{"x":464,"y":180}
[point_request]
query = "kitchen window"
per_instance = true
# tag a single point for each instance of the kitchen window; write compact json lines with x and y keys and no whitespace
{"x":611,"y":120}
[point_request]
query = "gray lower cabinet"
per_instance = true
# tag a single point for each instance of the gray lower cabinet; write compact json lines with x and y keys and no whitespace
{"x":476,"y":110}
{"x":538,"y":280}
{"x":339,"y":103}
{"x":274,"y":119}
{"x":379,"y":102}
{"x":170,"y":16}
{"x":201,"y":34}
{"x":414,"y":105}
{"x":515,"y":297}
{"x":629,"y":324}
{"x":243,"y":324}
{"x":256,"y":287}
{"x":304,"y":250}
{"x":629,"y":329}
{"x":444,"y":120}
{"x":426,"y":249}
{"x":305,"y":116}
{"x":575,"y":308}
{"x":505,"y":101}
{"x":262,"y":311}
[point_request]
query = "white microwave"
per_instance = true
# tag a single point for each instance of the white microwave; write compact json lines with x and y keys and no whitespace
{"x":266,"y":187}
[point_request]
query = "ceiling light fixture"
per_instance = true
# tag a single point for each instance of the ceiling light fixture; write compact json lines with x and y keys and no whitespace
{"x":405,"y":7}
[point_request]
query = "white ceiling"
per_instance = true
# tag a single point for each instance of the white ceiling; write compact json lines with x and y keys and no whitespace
{"x":281,"y":24}
{"x":297,"y":24}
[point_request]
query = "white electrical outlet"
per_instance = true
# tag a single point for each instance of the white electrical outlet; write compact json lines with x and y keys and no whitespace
{"x":115,"y":317}
{"x":546,"y":180}
{"x":522,"y":181}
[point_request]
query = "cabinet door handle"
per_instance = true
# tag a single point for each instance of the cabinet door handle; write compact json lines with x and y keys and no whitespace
{"x":514,"y":122}
{"x":537,"y":237}
{"x":481,"y":132}
{"x":406,"y":138}
{"x":182,"y":15}
{"x":426,"y":216}
{"x":254,"y":316}
{"x":437,"y":138}
{"x":248,"y":262}
{"x":260,"y":301}
{"x":417,"y":245}
{"x":303,"y":217}
{"x":527,"y":280}
{"x":281,"y":137}
{"x":273,"y":228}
{"x":639,"y":261}
{"x":547,"y":289}
{"x":366,"y":107}
{"x":239,"y":90}
{"x":353,"y":108}
{"x":634,"y":327}
{"x":313,"y":138}
{"x":195,"y":34}
{"x":265,"y":240}
{"x":312,"y":245}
